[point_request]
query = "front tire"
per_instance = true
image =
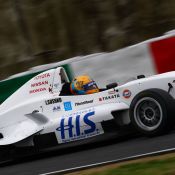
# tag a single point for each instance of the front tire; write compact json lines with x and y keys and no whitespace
{"x":151,"y":112}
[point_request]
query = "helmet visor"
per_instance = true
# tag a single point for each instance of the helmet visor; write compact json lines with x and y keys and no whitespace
{"x":90,"y":86}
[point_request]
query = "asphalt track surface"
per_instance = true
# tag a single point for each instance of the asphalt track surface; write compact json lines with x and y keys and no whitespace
{"x":87,"y":154}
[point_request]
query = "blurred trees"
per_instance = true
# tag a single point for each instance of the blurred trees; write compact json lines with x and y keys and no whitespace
{"x":67,"y":28}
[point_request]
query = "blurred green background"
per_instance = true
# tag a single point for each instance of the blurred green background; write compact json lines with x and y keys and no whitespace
{"x":67,"y":28}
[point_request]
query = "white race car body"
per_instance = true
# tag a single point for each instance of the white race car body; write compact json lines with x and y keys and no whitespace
{"x":37,"y":110}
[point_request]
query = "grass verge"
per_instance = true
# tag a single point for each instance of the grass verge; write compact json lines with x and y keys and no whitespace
{"x":157,"y":165}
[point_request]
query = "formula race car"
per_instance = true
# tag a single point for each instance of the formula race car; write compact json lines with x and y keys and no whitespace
{"x":38,"y":115}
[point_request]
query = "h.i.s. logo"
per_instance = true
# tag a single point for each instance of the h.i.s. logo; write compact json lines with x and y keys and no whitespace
{"x":77,"y":127}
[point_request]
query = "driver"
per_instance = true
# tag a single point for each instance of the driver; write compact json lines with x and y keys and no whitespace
{"x":82,"y":85}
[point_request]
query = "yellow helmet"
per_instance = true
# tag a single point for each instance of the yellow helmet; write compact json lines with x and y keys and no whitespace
{"x":83,"y":85}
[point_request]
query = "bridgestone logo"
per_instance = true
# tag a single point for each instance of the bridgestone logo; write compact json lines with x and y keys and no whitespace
{"x":52,"y":101}
{"x":84,"y":102}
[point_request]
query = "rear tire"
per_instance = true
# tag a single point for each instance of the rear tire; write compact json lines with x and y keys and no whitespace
{"x":151,"y":112}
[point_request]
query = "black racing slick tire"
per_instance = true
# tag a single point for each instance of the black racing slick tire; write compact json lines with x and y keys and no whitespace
{"x":152,"y":112}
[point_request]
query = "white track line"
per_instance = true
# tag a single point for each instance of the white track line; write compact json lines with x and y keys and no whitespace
{"x":108,"y":162}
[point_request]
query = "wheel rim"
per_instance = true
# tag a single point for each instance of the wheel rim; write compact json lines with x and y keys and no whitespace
{"x":148,"y":113}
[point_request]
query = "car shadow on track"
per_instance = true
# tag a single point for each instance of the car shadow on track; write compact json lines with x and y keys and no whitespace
{"x":92,"y":143}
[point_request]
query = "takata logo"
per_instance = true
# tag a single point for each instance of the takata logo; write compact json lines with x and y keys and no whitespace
{"x":109,"y":97}
{"x":127,"y":93}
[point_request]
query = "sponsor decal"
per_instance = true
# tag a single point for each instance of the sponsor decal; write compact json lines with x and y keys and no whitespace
{"x":56,"y":108}
{"x":46,"y":75}
{"x":50,"y":89}
{"x":37,"y":90}
{"x":68,"y":106}
{"x":84,"y":102}
{"x":81,"y":112}
{"x":39,"y":83}
{"x":109,"y":97}
{"x":126,"y":93}
{"x":112,"y":92}
{"x":52,"y":101}
{"x":78,"y":127}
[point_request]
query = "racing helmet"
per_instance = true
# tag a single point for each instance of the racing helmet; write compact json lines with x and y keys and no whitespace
{"x":82,"y":85}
